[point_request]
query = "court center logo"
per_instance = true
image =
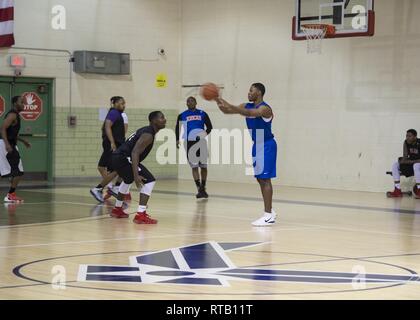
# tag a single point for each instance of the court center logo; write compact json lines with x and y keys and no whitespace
{"x":208,"y":264}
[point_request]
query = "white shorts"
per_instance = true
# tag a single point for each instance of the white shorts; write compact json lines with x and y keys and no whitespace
{"x":10,"y":163}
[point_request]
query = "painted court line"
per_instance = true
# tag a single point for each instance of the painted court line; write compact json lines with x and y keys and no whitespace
{"x":313,"y":226}
{"x":135,"y":238}
{"x":303,"y":203}
{"x":296,"y":202}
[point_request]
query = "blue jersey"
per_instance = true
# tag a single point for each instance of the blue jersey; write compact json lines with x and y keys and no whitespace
{"x":194,"y":123}
{"x":259,"y":127}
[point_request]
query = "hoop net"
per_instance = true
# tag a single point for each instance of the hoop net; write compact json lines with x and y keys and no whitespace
{"x":315,"y":33}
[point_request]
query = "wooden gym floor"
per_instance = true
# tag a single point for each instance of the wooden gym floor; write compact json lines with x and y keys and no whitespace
{"x":326,"y":245}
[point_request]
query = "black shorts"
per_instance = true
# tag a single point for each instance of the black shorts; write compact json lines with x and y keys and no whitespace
{"x":10,"y":163}
{"x":125,"y":171}
{"x":197,"y":157}
{"x":106,"y":158}
{"x":407,"y":170}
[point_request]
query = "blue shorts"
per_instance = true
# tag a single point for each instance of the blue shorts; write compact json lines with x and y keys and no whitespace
{"x":264,"y":157}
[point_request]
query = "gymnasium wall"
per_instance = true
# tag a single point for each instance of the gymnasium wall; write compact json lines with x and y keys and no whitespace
{"x":340,"y":117}
{"x":139,"y":27}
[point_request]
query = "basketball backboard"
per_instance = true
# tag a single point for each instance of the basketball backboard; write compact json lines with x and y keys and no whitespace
{"x":351,"y":18}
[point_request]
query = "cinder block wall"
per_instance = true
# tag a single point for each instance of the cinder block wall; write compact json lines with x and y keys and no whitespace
{"x":77,"y":150}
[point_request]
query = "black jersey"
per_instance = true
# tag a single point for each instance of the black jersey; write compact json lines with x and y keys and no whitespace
{"x":127,"y":147}
{"x":413,"y":150}
{"x":117,"y":128}
{"x":13,"y":131}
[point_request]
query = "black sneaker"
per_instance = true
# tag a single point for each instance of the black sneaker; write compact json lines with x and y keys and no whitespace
{"x":204,"y":193}
{"x":200,"y":194}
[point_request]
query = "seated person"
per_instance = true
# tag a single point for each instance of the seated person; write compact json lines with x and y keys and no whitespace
{"x":408,"y":165}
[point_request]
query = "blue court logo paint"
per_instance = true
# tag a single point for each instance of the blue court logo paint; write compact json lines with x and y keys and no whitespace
{"x":208,"y":264}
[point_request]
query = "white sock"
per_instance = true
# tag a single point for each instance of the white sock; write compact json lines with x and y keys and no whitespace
{"x":124,"y":188}
{"x":110,"y":185}
{"x":119,"y":204}
{"x":142,"y":209}
{"x":396,"y":171}
{"x":416,"y":169}
{"x":398,"y":186}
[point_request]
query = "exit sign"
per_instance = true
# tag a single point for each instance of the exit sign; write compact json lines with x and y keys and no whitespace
{"x":17,"y":61}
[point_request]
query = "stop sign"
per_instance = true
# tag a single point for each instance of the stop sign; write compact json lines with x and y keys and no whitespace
{"x":2,"y":105}
{"x":32,"y":106}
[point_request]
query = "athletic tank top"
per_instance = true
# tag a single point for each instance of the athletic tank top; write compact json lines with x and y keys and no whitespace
{"x":413,"y":150}
{"x":259,"y":127}
{"x":127,"y":147}
{"x":13,"y":130}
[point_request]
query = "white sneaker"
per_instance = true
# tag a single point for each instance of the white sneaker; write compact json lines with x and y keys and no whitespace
{"x":97,"y":194}
{"x":268,"y":219}
{"x":115,"y":190}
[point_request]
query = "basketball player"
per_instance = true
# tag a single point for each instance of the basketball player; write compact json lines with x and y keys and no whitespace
{"x":10,"y":162}
{"x":194,"y":122}
{"x":127,"y":161}
{"x":113,"y":136}
{"x":408,"y":165}
{"x":113,"y":190}
{"x":259,"y":117}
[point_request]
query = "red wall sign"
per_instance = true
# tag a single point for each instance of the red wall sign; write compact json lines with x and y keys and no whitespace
{"x":2,"y":105}
{"x":32,"y":106}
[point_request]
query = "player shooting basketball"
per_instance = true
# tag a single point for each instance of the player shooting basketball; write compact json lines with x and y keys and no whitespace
{"x":259,"y":117}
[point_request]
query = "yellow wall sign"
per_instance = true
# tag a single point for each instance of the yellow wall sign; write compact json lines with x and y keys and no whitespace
{"x":161,"y":80}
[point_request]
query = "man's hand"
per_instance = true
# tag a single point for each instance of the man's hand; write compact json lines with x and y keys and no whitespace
{"x":138,"y":179}
{"x":9,"y":148}
{"x":113,"y":146}
{"x":27,"y":144}
{"x":222,"y":106}
{"x":406,"y":161}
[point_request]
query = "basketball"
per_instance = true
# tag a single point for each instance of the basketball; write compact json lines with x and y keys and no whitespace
{"x":209,"y":91}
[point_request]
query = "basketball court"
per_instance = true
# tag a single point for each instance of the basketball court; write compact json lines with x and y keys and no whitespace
{"x":325,"y":240}
{"x":337,"y":234}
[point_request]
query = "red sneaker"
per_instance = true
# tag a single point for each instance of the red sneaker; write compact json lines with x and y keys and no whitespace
{"x":128,"y":197}
{"x":416,"y":192}
{"x":144,"y":218}
{"x":12,"y":198}
{"x":395,"y":194}
{"x":119,"y":213}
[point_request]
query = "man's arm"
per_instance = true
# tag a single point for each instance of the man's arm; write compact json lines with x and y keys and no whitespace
{"x":25,"y":142}
{"x":6,"y":124}
{"x":209,"y":125}
{"x":405,"y":152}
{"x":108,"y":132}
{"x":228,"y":108}
{"x":178,"y":120}
{"x":405,"y":159}
{"x":141,"y":145}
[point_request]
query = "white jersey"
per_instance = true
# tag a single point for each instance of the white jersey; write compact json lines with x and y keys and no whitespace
{"x":124,"y":116}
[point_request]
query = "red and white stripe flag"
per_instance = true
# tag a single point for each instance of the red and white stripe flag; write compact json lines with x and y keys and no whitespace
{"x":7,"y":38}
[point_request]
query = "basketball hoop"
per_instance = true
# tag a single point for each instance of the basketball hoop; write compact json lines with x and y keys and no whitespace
{"x":315,"y":33}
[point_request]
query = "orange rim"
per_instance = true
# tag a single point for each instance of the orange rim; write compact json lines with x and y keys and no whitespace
{"x":330,"y":29}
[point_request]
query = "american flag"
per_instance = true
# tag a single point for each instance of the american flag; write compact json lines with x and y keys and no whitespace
{"x":7,"y":38}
